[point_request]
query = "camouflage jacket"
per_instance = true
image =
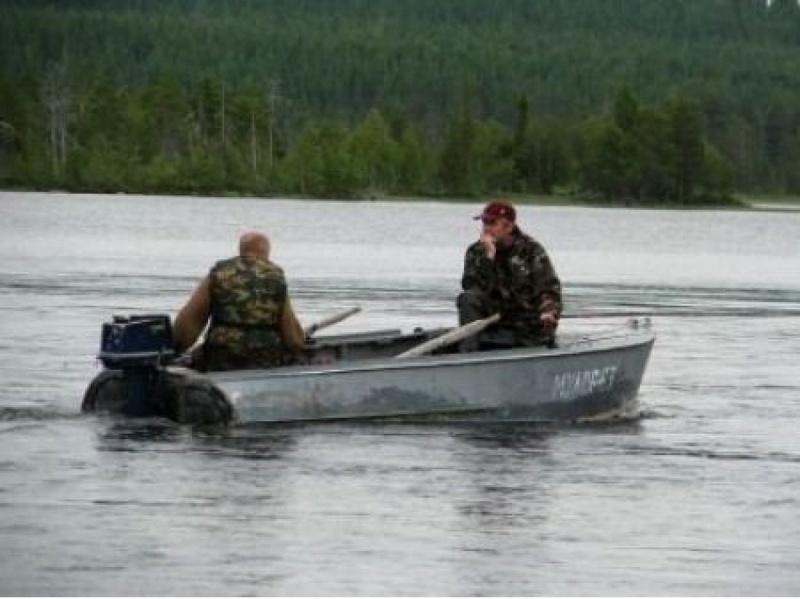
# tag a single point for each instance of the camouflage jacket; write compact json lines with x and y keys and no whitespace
{"x":248,"y":296}
{"x":520,"y":282}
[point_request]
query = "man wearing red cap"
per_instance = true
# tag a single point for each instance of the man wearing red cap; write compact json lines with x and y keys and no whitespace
{"x":509,"y":272}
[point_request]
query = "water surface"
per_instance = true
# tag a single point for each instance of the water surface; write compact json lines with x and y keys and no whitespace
{"x":698,"y":497}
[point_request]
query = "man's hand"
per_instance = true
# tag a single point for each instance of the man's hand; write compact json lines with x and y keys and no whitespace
{"x":549,"y":320}
{"x":489,"y":245}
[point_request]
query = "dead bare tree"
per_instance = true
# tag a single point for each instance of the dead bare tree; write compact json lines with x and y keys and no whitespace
{"x":57,"y":97}
{"x":274,"y":97}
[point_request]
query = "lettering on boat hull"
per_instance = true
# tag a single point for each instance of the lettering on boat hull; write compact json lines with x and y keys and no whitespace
{"x":581,"y":383}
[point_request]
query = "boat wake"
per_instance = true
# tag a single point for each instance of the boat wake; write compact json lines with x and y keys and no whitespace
{"x":17,"y":414}
{"x":604,"y":300}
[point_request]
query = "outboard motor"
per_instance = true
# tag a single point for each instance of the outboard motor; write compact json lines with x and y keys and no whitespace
{"x":139,"y":346}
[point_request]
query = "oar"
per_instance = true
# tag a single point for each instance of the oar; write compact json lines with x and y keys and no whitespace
{"x":450,"y":337}
{"x":326,"y":322}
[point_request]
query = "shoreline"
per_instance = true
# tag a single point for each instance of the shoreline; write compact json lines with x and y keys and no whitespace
{"x":782,"y":204}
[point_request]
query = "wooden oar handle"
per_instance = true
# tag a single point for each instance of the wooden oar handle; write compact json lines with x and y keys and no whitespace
{"x":450,"y":337}
{"x":326,"y":322}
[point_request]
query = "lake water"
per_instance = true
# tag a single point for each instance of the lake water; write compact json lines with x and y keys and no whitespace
{"x":701,"y":496}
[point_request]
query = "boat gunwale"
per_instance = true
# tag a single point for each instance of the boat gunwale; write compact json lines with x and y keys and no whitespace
{"x":587,"y":344}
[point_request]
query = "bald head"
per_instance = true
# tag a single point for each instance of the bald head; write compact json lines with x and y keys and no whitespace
{"x":254,"y":244}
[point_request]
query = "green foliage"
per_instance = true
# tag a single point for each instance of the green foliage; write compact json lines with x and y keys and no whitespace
{"x":318,"y":165}
{"x":630,"y":100}
{"x":540,"y":155}
{"x":651,"y":155}
{"x":373,"y":154}
{"x":456,"y":162}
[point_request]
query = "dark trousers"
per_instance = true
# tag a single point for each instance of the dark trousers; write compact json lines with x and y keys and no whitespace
{"x":474,"y":305}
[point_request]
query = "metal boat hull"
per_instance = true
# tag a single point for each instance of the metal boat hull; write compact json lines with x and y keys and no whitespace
{"x":356,"y":377}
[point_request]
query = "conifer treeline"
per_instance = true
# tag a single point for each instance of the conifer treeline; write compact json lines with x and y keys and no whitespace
{"x":619,"y":99}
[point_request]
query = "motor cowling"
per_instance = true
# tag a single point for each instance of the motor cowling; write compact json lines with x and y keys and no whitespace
{"x":139,"y":339}
{"x":140,"y":346}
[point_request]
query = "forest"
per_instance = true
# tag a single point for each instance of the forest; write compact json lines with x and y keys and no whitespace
{"x":651,"y":102}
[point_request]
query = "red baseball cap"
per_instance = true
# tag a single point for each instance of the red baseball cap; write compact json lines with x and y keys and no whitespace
{"x":498,"y":209}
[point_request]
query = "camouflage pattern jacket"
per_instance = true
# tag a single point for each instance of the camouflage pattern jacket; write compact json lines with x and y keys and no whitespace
{"x":520,"y":282}
{"x":248,"y":296}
